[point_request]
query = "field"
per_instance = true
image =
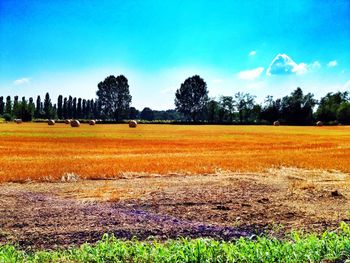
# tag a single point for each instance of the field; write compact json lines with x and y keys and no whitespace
{"x":41,"y":152}
{"x":63,"y":186}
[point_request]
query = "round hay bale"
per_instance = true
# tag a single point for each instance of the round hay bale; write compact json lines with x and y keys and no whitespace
{"x":132,"y":124}
{"x":92,"y":122}
{"x":18,"y":121}
{"x":276,"y":123}
{"x":75,"y":123}
{"x":51,"y":122}
{"x":67,"y":121}
{"x":319,"y":123}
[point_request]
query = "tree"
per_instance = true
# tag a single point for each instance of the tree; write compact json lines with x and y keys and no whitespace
{"x":147,"y":114}
{"x":65,"y":108}
{"x":38,"y":108}
{"x":60,"y":107}
{"x":8,"y":106}
{"x":79,"y":109}
{"x":297,"y":109}
{"x":48,"y":109}
{"x":343,"y":113}
{"x":192,"y":97}
{"x":16,"y":110}
{"x":24,"y":112}
{"x":114,"y":96}
{"x":69,"y":107}
{"x":227,"y":104}
{"x":245,"y":106}
{"x":74,"y":107}
{"x":213,"y":108}
{"x":329,"y":105}
{"x":31,"y":109}
{"x":133,"y":113}
{"x":272,"y":110}
{"x":2,"y":105}
{"x":96,"y":109}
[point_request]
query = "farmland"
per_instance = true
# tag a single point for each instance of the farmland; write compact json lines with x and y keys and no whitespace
{"x":43,"y":153}
{"x":63,"y":186}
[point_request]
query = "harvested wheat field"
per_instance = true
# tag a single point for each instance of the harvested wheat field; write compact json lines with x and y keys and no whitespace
{"x":168,"y":181}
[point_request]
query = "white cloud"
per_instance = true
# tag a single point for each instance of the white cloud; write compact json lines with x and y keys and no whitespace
{"x":332,"y":64}
{"x":250,"y":74}
{"x":252,"y":53}
{"x":284,"y":65}
{"x":21,"y":81}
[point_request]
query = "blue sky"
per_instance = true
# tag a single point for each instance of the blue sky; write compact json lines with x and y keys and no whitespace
{"x":261,"y":47}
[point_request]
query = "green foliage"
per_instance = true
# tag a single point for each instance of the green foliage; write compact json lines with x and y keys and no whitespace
{"x":296,"y":247}
{"x":147,"y":114}
{"x":329,"y":105}
{"x":192,"y":97}
{"x":297,"y":108}
{"x":343,"y":113}
{"x":114,"y":96}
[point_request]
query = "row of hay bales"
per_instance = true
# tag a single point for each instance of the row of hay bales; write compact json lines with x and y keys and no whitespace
{"x":277,"y":123}
{"x":76,"y":123}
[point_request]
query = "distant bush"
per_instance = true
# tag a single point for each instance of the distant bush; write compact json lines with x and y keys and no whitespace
{"x":7,"y":117}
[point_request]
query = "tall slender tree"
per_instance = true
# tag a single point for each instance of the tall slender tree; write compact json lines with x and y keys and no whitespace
{"x":74,"y":107}
{"x":38,"y":108}
{"x":69,"y":107}
{"x":31,"y":108}
{"x":48,"y":109}
{"x":65,"y":108}
{"x":79,"y":109}
{"x":8,"y":106}
{"x":16,"y":108}
{"x":2,"y":105}
{"x":84,"y":109}
{"x":60,"y":107}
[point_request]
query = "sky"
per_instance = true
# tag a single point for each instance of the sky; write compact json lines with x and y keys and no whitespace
{"x":261,"y":47}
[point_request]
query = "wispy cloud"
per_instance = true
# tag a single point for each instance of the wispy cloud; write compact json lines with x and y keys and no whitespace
{"x":21,"y":81}
{"x":251,"y":74}
{"x":252,"y":53}
{"x":284,"y":65}
{"x":332,"y":64}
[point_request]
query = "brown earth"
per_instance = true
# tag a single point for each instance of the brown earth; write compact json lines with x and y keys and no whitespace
{"x":224,"y":206}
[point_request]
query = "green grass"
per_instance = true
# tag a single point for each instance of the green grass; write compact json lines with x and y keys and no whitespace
{"x":297,"y":247}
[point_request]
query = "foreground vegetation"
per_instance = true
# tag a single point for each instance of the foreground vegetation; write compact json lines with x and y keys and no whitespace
{"x":297,"y":247}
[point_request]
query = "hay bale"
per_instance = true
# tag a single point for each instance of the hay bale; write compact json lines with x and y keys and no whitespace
{"x":92,"y":122}
{"x":319,"y":123}
{"x":51,"y":122}
{"x":67,"y":121}
{"x":18,"y":121}
{"x":276,"y":123}
{"x":75,"y":123}
{"x":132,"y":124}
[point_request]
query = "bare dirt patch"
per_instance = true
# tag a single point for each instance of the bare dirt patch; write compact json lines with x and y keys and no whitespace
{"x":224,"y":205}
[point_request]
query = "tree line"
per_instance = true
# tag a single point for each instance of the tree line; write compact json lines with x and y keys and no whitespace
{"x":192,"y":104}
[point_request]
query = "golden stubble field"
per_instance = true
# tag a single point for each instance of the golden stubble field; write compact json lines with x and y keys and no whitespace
{"x":40,"y":152}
